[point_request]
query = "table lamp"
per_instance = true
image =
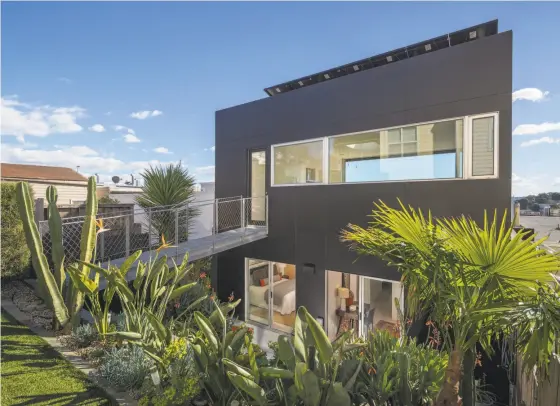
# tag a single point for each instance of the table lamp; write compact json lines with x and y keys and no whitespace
{"x":343,"y":293}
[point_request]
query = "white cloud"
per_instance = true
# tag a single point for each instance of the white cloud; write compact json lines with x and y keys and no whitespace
{"x":532,"y":129}
{"x":162,"y":150}
{"x":204,"y":173}
{"x":123,"y":128}
{"x":530,"y":93}
{"x":89,"y":160}
{"x":131,"y":138}
{"x":98,"y":128}
{"x":212,"y":148}
{"x":523,"y":186}
{"x":20,"y":119}
{"x":142,"y":115}
{"x":530,"y":185}
{"x":543,"y":140}
{"x":65,"y":80}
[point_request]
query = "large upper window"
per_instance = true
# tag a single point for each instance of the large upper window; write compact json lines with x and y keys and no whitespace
{"x":448,"y":149}
{"x":298,"y":163}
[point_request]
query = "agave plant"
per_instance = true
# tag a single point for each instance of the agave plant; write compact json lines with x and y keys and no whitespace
{"x":458,"y":274}
{"x":65,"y":305}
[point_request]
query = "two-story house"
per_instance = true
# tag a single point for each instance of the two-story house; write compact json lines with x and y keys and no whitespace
{"x":429,"y":124}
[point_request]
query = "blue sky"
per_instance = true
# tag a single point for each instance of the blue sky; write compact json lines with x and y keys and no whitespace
{"x":72,"y":69}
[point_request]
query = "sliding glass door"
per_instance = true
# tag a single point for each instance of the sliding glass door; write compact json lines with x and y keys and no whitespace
{"x":271,"y":293}
{"x":360,"y":303}
{"x":377,"y":307}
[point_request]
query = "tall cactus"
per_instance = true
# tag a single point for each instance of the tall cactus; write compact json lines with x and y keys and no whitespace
{"x":55,"y":229}
{"x":46,"y":280}
{"x":87,"y":244}
{"x":49,"y":284}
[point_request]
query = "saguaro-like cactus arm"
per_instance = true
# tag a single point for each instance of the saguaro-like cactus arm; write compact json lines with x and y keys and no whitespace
{"x":55,"y":228}
{"x":38,"y":259}
{"x":87,"y":244}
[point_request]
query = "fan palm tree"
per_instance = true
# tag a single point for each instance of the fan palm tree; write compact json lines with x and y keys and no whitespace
{"x":166,"y":189}
{"x":472,"y":282}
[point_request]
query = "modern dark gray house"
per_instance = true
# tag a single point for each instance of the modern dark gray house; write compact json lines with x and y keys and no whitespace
{"x":429,"y":124}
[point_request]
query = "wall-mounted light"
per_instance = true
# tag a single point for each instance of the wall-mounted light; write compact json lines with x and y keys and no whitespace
{"x":309,"y":268}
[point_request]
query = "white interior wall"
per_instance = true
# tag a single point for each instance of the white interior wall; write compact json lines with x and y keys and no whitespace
{"x":334,"y":281}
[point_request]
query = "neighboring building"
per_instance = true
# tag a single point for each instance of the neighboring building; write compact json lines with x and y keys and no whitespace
{"x":429,"y":124}
{"x":71,"y":186}
{"x":204,"y":200}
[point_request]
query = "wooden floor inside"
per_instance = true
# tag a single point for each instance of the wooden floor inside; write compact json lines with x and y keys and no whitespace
{"x":286,"y":320}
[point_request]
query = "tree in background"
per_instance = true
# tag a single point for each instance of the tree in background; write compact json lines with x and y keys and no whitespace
{"x":108,"y":200}
{"x":535,"y":207}
{"x":15,"y":254}
{"x":523,"y":203}
{"x":174,"y":188}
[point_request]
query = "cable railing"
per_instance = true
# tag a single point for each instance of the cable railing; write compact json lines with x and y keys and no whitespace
{"x":204,"y":225}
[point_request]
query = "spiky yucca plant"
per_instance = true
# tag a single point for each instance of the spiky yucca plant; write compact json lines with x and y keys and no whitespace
{"x":170,"y":186}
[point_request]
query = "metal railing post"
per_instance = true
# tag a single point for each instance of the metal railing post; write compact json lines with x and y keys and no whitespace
{"x":243,"y":213}
{"x":149,"y":229}
{"x":177,"y":232}
{"x":216,"y":217}
{"x":102,"y":246}
{"x":187,"y":222}
{"x":127,"y":235}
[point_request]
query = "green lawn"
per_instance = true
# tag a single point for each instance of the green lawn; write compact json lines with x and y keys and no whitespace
{"x":35,"y":374}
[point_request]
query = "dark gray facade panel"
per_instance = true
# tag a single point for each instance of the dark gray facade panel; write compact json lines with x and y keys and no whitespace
{"x":305,"y":221}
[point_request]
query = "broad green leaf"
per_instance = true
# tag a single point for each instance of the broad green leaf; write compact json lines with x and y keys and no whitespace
{"x":127,"y":335}
{"x":178,"y":292}
{"x":286,"y":352}
{"x":276,"y":373}
{"x":322,"y":342}
{"x":338,"y":396}
{"x":125,"y":266}
{"x":236,"y":368}
{"x":311,"y":393}
{"x":206,"y":327}
{"x":246,"y":385}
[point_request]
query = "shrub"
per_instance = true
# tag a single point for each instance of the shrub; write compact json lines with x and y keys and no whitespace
{"x":81,"y":337}
{"x":108,"y":200}
{"x":84,"y":335}
{"x":119,"y":321}
{"x":125,"y":368}
{"x":15,"y":262}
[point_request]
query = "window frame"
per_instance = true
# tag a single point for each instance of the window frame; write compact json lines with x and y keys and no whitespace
{"x":466,"y":150}
{"x":467,"y":146}
{"x":284,"y":144}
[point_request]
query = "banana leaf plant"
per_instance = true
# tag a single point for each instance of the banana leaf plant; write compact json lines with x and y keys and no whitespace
{"x":155,"y":285}
{"x":457,"y":274}
{"x":227,"y":372}
{"x":311,"y":370}
{"x":91,"y":289}
{"x":65,"y":302}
